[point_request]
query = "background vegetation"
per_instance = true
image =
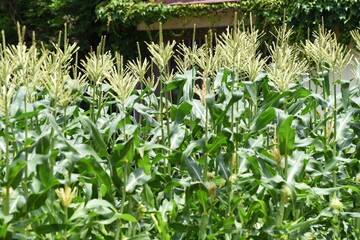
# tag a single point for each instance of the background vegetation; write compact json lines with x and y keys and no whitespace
{"x":88,"y":20}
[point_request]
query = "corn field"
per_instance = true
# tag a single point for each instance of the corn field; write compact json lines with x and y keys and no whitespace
{"x":228,"y":145}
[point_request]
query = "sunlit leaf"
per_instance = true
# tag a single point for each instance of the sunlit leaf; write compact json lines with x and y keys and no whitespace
{"x":136,"y":178}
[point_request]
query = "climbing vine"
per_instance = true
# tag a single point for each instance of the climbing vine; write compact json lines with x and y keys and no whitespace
{"x":302,"y":15}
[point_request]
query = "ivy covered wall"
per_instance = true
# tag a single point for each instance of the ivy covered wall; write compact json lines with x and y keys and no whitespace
{"x":302,"y":14}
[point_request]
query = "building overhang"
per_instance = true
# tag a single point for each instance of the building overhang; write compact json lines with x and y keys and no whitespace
{"x":194,"y":1}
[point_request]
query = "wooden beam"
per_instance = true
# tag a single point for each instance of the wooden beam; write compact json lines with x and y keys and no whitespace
{"x":212,"y":20}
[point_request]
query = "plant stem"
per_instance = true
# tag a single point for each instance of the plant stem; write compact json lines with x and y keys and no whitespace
{"x":203,"y":225}
{"x":280,"y":217}
{"x":205,"y":145}
{"x":124,"y":175}
{"x":26,"y":151}
{"x":169,"y":170}
{"x":7,"y":154}
{"x":335,"y":115}
{"x":65,"y":223}
{"x":161,"y":113}
{"x":286,"y":166}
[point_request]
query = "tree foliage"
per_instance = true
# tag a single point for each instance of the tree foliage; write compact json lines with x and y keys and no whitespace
{"x":47,"y":18}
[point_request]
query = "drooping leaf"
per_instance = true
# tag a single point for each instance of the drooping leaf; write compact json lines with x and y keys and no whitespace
{"x":136,"y":178}
{"x":15,"y":174}
{"x":263,"y":119}
{"x":99,"y":203}
{"x":235,"y":97}
{"x":114,"y":126}
{"x":177,"y":137}
{"x":343,"y":125}
{"x":165,"y":208}
{"x":179,"y":113}
{"x":17,"y":106}
{"x":174,"y":83}
{"x":191,"y":146}
{"x":215,"y":144}
{"x":221,"y":77}
{"x":92,"y":165}
{"x":224,"y":170}
{"x":295,"y":165}
{"x":188,"y":87}
{"x":147,"y":114}
{"x":194,"y":169}
{"x":251,"y":88}
{"x":198,"y":111}
{"x":96,"y":136}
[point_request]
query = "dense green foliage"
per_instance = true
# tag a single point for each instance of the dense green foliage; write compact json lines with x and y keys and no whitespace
{"x":47,"y":18}
{"x":250,"y":148}
{"x":88,"y":20}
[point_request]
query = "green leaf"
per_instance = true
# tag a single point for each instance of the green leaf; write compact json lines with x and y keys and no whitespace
{"x":221,"y":77}
{"x":99,"y":203}
{"x":326,"y":85}
{"x":36,"y":201}
{"x":145,"y":163}
{"x":177,"y":136}
{"x":44,"y":172}
{"x":146,"y":113}
{"x":136,"y":178}
{"x":271,"y":99}
{"x":179,"y":113}
{"x":190,"y":147}
{"x":215,"y":144}
{"x":127,"y":217}
{"x":123,"y":151}
{"x":91,"y":165}
{"x":235,"y":96}
{"x":224,"y":170}
{"x":175,"y":83}
{"x":345,"y":93}
{"x":251,"y":88}
{"x":15,"y":174}
{"x":96,"y":136}
{"x":295,"y":165}
{"x":286,"y":137}
{"x":188,"y":91}
{"x":51,"y":228}
{"x":198,"y":111}
{"x":324,"y":191}
{"x":201,"y":194}
{"x":148,"y":196}
{"x":114,"y":126}
{"x":18,"y":102}
{"x":343,"y":125}
{"x":263,"y":119}
{"x":194,"y":169}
